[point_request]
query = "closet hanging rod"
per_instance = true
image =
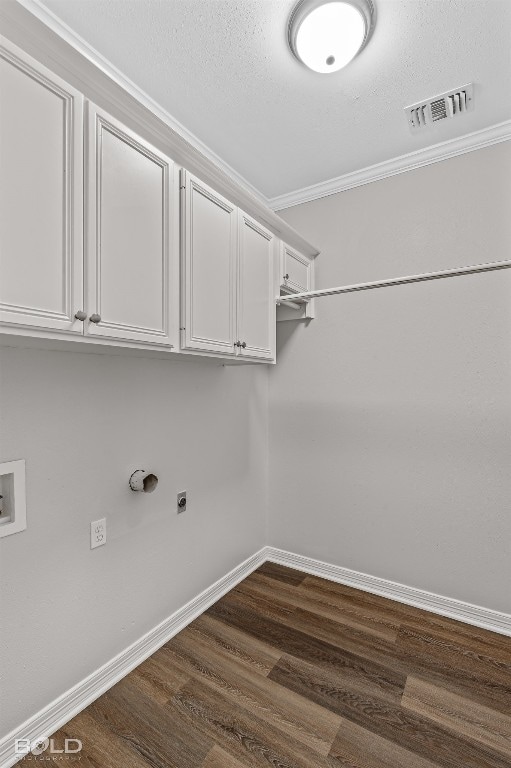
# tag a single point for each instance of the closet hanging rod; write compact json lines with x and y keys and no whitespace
{"x":301,"y":298}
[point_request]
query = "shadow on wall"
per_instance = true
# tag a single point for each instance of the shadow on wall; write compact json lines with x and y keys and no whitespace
{"x":287,"y":329}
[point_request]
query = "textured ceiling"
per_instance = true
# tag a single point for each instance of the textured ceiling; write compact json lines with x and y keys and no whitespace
{"x":223,"y":69}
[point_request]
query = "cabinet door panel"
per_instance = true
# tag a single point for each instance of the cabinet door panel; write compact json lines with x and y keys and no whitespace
{"x":209,"y":264}
{"x":256,"y":303}
{"x":296,"y":271}
{"x":129,"y":214}
{"x":41,"y":145}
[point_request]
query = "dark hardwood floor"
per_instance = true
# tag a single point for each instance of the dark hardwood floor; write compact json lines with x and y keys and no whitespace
{"x":291,"y":671}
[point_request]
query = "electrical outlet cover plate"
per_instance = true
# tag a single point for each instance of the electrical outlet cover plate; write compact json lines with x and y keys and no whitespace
{"x":98,"y":533}
{"x":13,"y":518}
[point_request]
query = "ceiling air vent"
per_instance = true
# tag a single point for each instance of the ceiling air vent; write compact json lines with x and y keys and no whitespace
{"x":442,"y":107}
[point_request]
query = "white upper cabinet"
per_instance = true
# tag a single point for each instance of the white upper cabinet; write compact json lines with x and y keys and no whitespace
{"x":41,"y":146}
{"x":100,"y":237}
{"x":208,"y":263}
{"x":256,"y":299}
{"x":296,"y":271}
{"x":130,"y":198}
{"x":227,"y":260}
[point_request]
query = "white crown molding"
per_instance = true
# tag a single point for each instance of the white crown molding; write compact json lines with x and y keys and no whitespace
{"x":419,"y":598}
{"x":55,"y":715}
{"x":409,"y":162}
{"x":49,"y":19}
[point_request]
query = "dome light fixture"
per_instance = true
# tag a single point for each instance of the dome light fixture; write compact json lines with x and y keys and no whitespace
{"x":325,"y":36}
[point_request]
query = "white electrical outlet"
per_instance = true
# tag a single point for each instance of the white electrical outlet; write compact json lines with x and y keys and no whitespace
{"x":98,"y":533}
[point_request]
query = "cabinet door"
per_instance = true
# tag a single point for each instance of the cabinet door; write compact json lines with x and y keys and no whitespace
{"x":41,"y":145}
{"x":209,"y":245}
{"x":128,"y":215}
{"x":256,"y":296}
{"x":296,"y":271}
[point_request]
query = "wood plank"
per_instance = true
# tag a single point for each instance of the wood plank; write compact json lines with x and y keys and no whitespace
{"x":356,"y":747}
{"x":496,"y":644}
{"x":398,"y":614}
{"x":241,"y":733}
{"x":282,"y":573}
{"x":264,"y":603}
{"x":477,"y":639}
{"x":482,"y":679}
{"x":312,"y":725}
{"x":359,"y":670}
{"x":250,"y":651}
{"x":459,"y":714}
{"x":158,"y":734}
{"x":158,"y":679}
{"x":403,"y":659}
{"x":391,"y":609}
{"x":103,"y":748}
{"x":219,"y":758}
{"x":433,"y":646}
{"x":385,"y":719}
{"x":369,"y":645}
{"x":339,"y":610}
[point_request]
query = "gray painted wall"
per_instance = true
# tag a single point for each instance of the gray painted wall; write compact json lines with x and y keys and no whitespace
{"x":389,"y":444}
{"x":390,"y":414}
{"x":84,"y":422}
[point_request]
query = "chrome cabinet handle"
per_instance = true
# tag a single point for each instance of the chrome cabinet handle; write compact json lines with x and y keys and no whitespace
{"x":243,"y":344}
{"x":237,"y":343}
{"x":95,"y":318}
{"x":81,"y":315}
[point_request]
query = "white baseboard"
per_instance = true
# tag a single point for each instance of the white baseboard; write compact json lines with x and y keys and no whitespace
{"x":419,"y":598}
{"x":67,"y":706}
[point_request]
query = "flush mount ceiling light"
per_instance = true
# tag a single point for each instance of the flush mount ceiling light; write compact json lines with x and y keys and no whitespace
{"x":325,"y":36}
